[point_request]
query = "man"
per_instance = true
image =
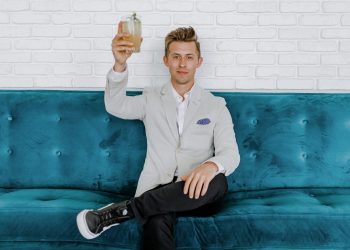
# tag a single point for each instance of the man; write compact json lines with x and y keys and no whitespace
{"x":191,"y":144}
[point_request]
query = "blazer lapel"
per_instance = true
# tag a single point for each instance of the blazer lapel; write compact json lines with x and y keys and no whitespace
{"x":169,"y":105}
{"x":193,"y":106}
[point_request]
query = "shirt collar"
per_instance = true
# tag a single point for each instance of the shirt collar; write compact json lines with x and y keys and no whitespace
{"x":178,"y":97}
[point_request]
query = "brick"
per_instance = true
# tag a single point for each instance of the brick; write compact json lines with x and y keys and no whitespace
{"x":72,"y":18}
{"x":14,"y":5}
{"x":278,"y":46}
{"x":33,"y":44}
{"x":216,"y":33}
{"x":275,"y":19}
{"x":102,"y":44}
{"x":15,"y":31}
{"x":16,"y":82}
{"x":5,"y":69}
{"x":218,"y":58}
{"x":51,"y":31}
{"x":234,"y":71}
{"x":72,"y":69}
{"x":275,"y":71}
{"x":156,"y":19}
{"x":217,"y":83}
{"x":152,"y":45}
{"x":344,"y":46}
{"x":51,"y":5}
{"x":337,"y":59}
{"x":52,"y":57}
{"x":262,"y":59}
{"x":345,"y":20}
{"x":106,"y":18}
{"x":192,"y":19}
{"x":205,"y":70}
{"x":336,"y":33}
{"x":300,"y":6}
{"x":344,"y":71}
{"x":236,"y":19}
{"x":93,"y":31}
{"x":234,"y":45}
{"x":317,"y":71}
{"x":150,"y":70}
{"x":33,"y":69}
{"x":318,"y":46}
{"x":256,"y":33}
{"x":257,"y":6}
{"x":336,"y":6}
{"x":15,"y":57}
{"x":5,"y":44}
{"x":101,"y":69}
{"x":93,"y":57}
{"x":53,"y":82}
{"x":318,"y":20}
{"x":134,"y":5}
{"x":35,"y":18}
{"x":333,"y":84}
{"x":71,"y":44}
{"x":298,"y":59}
{"x":298,"y":33}
{"x":295,"y":84}
{"x":92,"y":5}
{"x":89,"y":82}
{"x":216,"y":6}
{"x":253,"y":83}
{"x":180,"y":5}
{"x":141,"y":58}
{"x":4,"y":18}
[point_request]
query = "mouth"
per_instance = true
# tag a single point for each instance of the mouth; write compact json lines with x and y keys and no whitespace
{"x":180,"y":72}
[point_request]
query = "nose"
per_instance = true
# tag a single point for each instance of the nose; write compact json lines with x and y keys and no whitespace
{"x":182,"y":62}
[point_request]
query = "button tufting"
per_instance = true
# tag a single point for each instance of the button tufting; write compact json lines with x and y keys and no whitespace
{"x":58,"y":118}
{"x":253,"y":155}
{"x":58,"y":153}
{"x":304,"y":155}
{"x":108,"y":154}
{"x":254,"y":121}
{"x":304,"y":121}
{"x":107,"y":119}
{"x":10,"y":118}
{"x":9,"y":151}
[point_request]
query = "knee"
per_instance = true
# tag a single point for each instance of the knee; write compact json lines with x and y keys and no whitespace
{"x":220,"y":183}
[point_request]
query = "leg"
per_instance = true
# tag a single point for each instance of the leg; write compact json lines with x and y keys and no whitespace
{"x":158,"y":232}
{"x":171,"y":199}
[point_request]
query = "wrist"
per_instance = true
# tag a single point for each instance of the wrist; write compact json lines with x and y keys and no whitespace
{"x":119,"y":67}
{"x":213,"y":166}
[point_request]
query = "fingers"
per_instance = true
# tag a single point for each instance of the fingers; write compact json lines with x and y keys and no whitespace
{"x":187,"y":183}
{"x":120,"y":27}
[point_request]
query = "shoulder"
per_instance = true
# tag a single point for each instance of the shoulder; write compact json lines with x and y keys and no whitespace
{"x":209,"y":97}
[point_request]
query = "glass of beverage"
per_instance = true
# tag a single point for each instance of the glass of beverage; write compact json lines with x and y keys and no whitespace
{"x":132,"y":24}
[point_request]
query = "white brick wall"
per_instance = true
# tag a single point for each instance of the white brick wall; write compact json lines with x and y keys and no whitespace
{"x":247,"y":45}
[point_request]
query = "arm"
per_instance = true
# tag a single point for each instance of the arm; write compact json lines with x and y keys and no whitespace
{"x":116,"y":101}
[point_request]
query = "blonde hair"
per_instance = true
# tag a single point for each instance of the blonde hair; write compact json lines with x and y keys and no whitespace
{"x":182,"y":34}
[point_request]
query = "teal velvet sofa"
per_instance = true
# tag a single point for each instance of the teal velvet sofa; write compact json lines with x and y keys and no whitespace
{"x":61,"y":152}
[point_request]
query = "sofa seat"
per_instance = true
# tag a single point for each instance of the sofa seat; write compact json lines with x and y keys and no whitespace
{"x":304,"y":218}
{"x":49,"y":216}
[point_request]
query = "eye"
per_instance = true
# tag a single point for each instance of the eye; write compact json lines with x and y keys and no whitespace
{"x":189,"y":57}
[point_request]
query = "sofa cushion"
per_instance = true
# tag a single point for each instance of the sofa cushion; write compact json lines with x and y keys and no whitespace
{"x":302,"y":218}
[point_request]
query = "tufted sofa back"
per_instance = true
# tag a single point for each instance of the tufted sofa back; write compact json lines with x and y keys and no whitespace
{"x":66,"y":139}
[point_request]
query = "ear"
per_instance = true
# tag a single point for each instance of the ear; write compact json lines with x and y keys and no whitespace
{"x":165,"y":60}
{"x":200,"y":61}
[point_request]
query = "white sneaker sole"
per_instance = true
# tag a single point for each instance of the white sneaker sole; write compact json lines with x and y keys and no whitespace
{"x":83,"y":227}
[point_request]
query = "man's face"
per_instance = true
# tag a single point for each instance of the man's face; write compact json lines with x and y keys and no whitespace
{"x":182,"y":61}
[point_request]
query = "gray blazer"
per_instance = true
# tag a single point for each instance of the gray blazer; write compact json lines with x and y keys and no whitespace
{"x":207,"y":132}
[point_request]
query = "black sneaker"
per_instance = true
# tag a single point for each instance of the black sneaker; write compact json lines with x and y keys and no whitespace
{"x":92,"y":223}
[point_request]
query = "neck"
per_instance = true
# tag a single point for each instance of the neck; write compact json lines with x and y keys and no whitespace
{"x":182,"y":89}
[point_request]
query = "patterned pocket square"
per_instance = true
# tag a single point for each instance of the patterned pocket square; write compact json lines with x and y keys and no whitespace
{"x":203,"y":121}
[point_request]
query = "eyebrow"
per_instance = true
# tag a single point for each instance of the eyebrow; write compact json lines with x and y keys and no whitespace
{"x":178,"y":54}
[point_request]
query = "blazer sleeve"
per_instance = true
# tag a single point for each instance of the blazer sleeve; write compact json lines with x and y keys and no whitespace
{"x":225,"y":145}
{"x":118,"y":103}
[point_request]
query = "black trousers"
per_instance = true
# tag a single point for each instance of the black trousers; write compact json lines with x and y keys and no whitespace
{"x":158,"y":208}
